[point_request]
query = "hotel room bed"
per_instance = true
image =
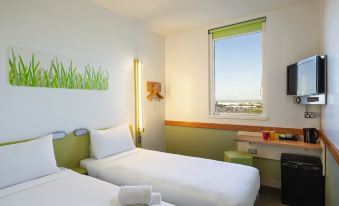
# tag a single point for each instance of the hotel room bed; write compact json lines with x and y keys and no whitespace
{"x":65,"y":188}
{"x":182,"y":180}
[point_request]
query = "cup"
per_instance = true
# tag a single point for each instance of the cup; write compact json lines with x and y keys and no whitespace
{"x":272,"y":135}
{"x":266,"y":135}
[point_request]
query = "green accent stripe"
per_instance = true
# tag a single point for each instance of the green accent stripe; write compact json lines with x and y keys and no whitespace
{"x":237,"y":29}
{"x":14,"y":142}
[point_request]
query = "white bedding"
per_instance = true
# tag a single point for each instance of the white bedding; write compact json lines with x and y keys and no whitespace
{"x":65,"y":188}
{"x":182,"y":180}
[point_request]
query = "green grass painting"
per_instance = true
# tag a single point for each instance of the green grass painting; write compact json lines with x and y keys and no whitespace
{"x":57,"y":75}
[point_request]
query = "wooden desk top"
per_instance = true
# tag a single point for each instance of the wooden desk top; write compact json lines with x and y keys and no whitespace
{"x":278,"y":142}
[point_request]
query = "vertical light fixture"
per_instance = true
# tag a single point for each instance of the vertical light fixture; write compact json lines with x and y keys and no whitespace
{"x":138,"y":102}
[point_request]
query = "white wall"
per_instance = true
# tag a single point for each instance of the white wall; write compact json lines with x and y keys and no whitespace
{"x":77,"y":28}
{"x":330,"y":112}
{"x":291,"y":34}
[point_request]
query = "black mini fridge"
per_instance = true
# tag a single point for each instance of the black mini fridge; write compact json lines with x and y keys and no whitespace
{"x":302,"y":182}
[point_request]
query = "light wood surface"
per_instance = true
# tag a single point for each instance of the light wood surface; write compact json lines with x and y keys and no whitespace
{"x":331,"y":147}
{"x":153,"y":89}
{"x":278,"y":142}
{"x":233,"y":127}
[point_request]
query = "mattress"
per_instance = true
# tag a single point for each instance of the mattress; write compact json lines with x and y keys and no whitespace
{"x":65,"y":188}
{"x":182,"y":180}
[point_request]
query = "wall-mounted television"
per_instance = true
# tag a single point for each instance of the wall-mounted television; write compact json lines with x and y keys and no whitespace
{"x":306,"y":79}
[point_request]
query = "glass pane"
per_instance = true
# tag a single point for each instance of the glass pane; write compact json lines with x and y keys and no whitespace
{"x":238,"y":74}
{"x":307,"y":75}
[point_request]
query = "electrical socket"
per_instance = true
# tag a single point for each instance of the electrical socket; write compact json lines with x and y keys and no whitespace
{"x":310,"y":115}
{"x":252,"y":151}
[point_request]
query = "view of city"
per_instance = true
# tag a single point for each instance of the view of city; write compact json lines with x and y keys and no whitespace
{"x":248,"y":107}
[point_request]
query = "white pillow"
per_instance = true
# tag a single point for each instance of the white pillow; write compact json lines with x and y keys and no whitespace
{"x":111,"y":141}
{"x":26,"y":161}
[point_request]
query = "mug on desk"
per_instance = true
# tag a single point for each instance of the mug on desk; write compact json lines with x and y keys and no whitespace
{"x":272,"y":135}
{"x":266,"y":135}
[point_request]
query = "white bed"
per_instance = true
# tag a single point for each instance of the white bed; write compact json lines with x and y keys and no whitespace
{"x":65,"y":188}
{"x":182,"y":180}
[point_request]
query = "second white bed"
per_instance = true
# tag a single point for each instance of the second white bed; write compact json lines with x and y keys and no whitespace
{"x":182,"y":180}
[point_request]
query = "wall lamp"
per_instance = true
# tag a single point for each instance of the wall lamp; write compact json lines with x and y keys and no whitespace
{"x":139,"y":129}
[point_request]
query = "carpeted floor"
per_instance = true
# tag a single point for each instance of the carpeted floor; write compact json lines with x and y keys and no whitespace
{"x":270,"y":197}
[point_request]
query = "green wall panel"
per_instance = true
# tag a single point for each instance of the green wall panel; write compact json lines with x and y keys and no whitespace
{"x":269,"y":170}
{"x":198,"y":142}
{"x":332,"y":181}
{"x":211,"y":144}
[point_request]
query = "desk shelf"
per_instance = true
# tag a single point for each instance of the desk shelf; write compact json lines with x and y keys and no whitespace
{"x":278,"y":142}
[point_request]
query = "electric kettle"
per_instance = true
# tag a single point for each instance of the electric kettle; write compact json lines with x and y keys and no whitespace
{"x":311,"y":135}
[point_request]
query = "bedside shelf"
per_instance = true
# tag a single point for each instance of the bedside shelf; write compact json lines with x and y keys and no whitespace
{"x":278,"y":142}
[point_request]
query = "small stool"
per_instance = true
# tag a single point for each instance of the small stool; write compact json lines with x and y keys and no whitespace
{"x":238,"y":157}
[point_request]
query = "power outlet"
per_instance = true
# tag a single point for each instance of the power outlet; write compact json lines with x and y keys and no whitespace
{"x":252,"y":151}
{"x":310,"y":115}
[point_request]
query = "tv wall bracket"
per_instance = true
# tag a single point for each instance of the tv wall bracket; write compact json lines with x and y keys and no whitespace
{"x":312,"y":99}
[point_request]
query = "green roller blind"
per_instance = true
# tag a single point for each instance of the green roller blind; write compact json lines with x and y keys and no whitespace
{"x":237,"y":29}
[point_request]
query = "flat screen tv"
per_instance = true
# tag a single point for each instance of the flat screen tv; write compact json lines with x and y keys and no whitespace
{"x":307,"y":77}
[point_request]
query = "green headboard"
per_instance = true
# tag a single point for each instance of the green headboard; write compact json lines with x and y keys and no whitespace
{"x":70,"y":150}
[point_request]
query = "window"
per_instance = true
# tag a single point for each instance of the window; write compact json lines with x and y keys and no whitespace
{"x":236,"y":53}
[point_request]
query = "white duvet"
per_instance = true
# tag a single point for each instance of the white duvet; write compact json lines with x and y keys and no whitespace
{"x":182,"y":180}
{"x":65,"y":188}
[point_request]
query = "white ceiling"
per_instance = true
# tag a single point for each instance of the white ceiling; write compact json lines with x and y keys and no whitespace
{"x":171,"y":16}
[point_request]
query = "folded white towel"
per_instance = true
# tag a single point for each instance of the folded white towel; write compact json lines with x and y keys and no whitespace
{"x":156,"y":198}
{"x":135,"y":195}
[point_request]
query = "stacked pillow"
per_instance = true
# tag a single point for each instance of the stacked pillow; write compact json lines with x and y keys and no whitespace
{"x":25,"y":161}
{"x":111,"y":141}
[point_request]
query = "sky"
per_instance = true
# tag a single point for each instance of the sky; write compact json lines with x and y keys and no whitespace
{"x":238,"y":67}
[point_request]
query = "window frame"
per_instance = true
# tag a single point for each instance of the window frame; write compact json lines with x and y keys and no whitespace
{"x":212,"y":113}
